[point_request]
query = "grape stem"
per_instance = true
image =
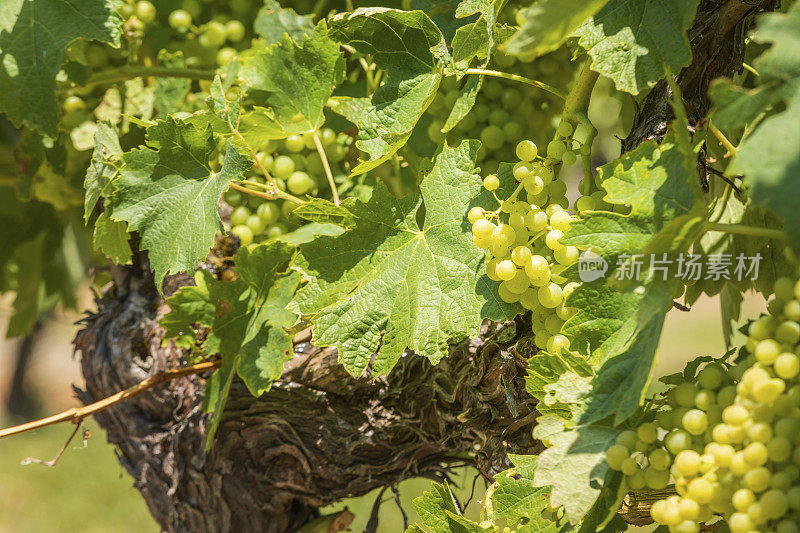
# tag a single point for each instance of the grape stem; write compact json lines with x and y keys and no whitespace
{"x":514,"y":77}
{"x":327,"y":168}
{"x":743,"y":229}
{"x":129,"y":72}
{"x":272,"y":195}
{"x":722,"y":139}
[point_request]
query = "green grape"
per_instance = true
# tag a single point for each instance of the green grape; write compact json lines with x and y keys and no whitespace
{"x":695,"y":422}
{"x":226,"y":55}
{"x":564,"y":129}
{"x":73,"y":104}
{"x":506,"y":270}
{"x":526,"y":150}
{"x":659,"y":459}
{"x":787,"y":365}
{"x":300,"y":183}
{"x":180,"y":19}
{"x":615,"y":456}
{"x":214,"y":35}
{"x":145,"y":11}
{"x":235,"y":31}
{"x":256,"y":224}
{"x":492,"y":137}
{"x":244,"y":233}
{"x":239,"y":216}
{"x":569,"y":158}
{"x":269,"y":213}
{"x":550,"y":296}
{"x":711,"y":377}
{"x":284,"y":167}
{"x":556,"y":343}
{"x":475,"y":214}
{"x":555,"y":150}
{"x":276,"y":231}
{"x":294,"y":143}
{"x":521,"y":255}
{"x":193,"y":7}
{"x":491,"y":183}
{"x":647,"y":433}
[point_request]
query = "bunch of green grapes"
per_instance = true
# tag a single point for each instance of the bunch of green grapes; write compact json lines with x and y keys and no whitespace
{"x":297,"y":168}
{"x":505,"y":111}
{"x":731,"y":438}
{"x":522,"y":238}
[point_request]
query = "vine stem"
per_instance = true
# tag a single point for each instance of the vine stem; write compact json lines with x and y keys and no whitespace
{"x":743,"y":229}
{"x":514,"y":77}
{"x":577,"y":101}
{"x":129,"y":72}
{"x":722,"y":139}
{"x":77,"y":414}
{"x":327,"y":167}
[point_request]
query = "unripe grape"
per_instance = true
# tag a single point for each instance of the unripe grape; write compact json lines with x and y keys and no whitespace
{"x":687,"y":463}
{"x":755,"y":453}
{"x":534,"y":185}
{"x":556,"y":149}
{"x":564,"y":129}
{"x":779,"y":449}
{"x":226,"y":55}
{"x":774,"y":504}
{"x":700,"y":490}
{"x":687,"y":526}
{"x":647,"y":432}
{"x":536,"y":221}
{"x":677,"y":441}
{"x":180,"y":19}
{"x":740,"y":523}
{"x":492,"y":137}
{"x":244,"y":233}
{"x":146,"y":12}
{"x":656,"y":479}
{"x":526,"y":150}
{"x":711,"y":377}
{"x":239,"y":216}
{"x":521,"y":255}
{"x":504,"y":235}
{"x":557,"y":343}
{"x":235,"y":31}
{"x":491,"y":183}
{"x":255,"y":223}
{"x":550,"y":296}
{"x":475,"y":214}
{"x":569,"y":158}
{"x":521,"y":171}
{"x":482,"y":228}
{"x":787,"y":365}
{"x":735,"y":415}
{"x":585,"y":203}
{"x":628,"y":439}
{"x":767,"y":351}
{"x":214,"y":35}
{"x":629,"y":466}
{"x":568,"y":255}
{"x":73,"y":103}
{"x":552,"y":239}
{"x":615,"y":455}
{"x":757,"y":479}
{"x":283,"y":166}
{"x":506,"y":270}
{"x":300,"y":183}
{"x":695,"y":422}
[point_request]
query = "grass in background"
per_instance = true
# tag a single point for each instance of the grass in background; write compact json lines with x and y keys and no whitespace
{"x":86,"y":491}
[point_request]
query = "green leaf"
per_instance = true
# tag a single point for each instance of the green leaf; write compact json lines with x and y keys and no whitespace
{"x":387,"y":285}
{"x":169,"y":93}
{"x":170,"y":195}
{"x":517,"y":499}
{"x":103,"y":168}
{"x":405,"y":45}
{"x":464,"y":103}
{"x":620,"y":326}
{"x":273,"y":22}
{"x":111,"y":238}
{"x":545,"y":370}
{"x":294,"y":79}
{"x":308,"y":232}
{"x":349,"y":107}
{"x":34,"y":35}
{"x":633,"y":42}
{"x":217,"y":389}
{"x":548,"y":23}
{"x":474,"y":40}
{"x":439,"y":513}
{"x":246,"y":316}
{"x":574,"y":467}
{"x":227,"y":111}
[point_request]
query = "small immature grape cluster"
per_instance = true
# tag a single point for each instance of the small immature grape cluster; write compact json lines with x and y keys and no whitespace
{"x":297,"y":168}
{"x":522,"y":240}
{"x":730,"y":441}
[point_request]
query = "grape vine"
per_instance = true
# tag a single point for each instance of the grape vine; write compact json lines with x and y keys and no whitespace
{"x":396,"y":177}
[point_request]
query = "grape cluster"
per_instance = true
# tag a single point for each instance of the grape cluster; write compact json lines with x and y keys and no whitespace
{"x":297,"y":168}
{"x":522,"y":240}
{"x":505,"y":112}
{"x":731,"y":438}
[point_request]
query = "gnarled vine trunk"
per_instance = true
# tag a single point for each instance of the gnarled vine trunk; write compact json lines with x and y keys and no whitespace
{"x":320,"y":435}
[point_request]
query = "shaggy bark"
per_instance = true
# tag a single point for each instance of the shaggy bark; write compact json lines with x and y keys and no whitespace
{"x":320,"y":434}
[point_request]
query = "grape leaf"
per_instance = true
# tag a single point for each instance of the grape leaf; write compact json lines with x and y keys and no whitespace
{"x":273,"y":21}
{"x":476,"y":39}
{"x":169,"y":93}
{"x":769,"y":158}
{"x":29,"y":261}
{"x":778,"y":68}
{"x":632,"y":42}
{"x":466,"y":99}
{"x":34,"y":35}
{"x":545,"y":369}
{"x":439,"y":512}
{"x":111,"y":238}
{"x":574,"y":467}
{"x":294,"y":79}
{"x":349,"y":107}
{"x":517,"y":500}
{"x":385,"y":274}
{"x":170,"y":195}
{"x":247,"y":318}
{"x":406,"y":46}
{"x":548,"y":23}
{"x":620,"y":327}
{"x":103,"y":168}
